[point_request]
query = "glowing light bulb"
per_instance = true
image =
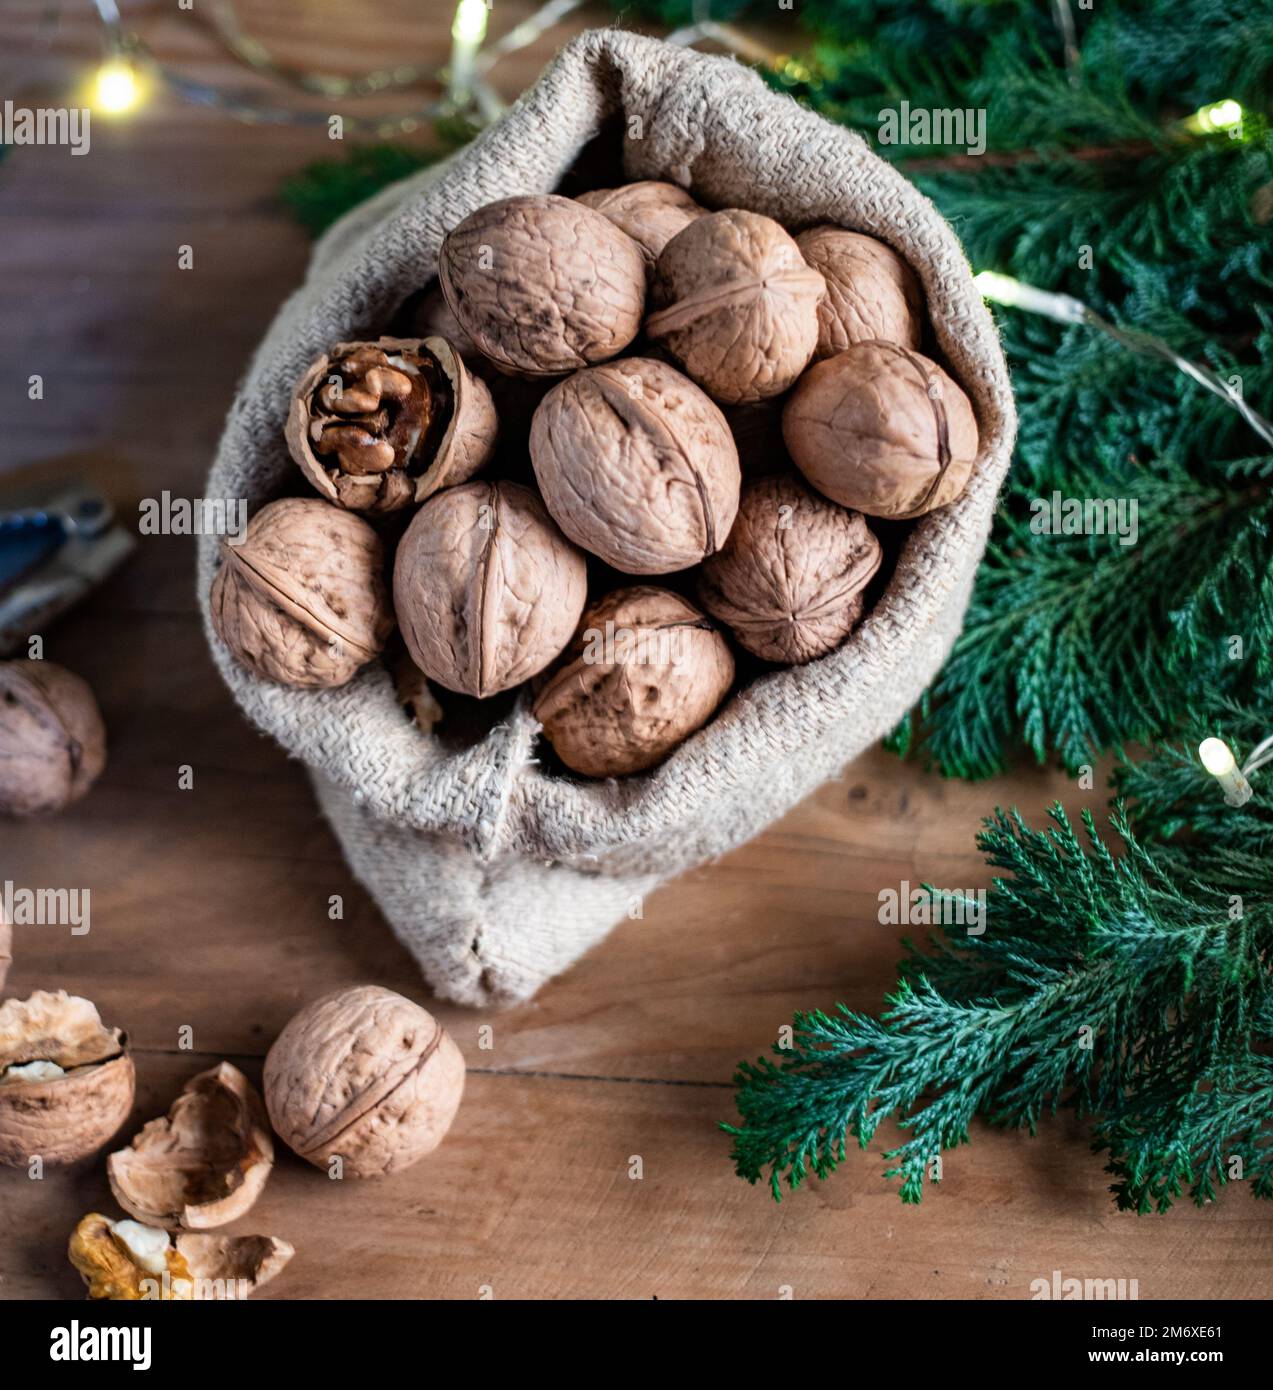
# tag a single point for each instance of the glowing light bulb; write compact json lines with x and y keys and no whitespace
{"x":1218,"y":115}
{"x":116,"y":89}
{"x":1003,"y":289}
{"x":1217,"y":758}
{"x":469,"y":25}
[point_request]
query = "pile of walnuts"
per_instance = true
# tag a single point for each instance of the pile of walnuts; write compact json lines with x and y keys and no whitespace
{"x":566,"y":424}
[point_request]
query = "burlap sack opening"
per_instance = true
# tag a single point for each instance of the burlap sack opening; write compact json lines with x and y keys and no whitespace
{"x":496,"y":875}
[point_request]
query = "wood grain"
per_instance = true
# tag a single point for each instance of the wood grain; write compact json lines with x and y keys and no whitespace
{"x":209,"y":906}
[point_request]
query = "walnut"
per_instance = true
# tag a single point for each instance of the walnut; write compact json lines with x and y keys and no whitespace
{"x":378,"y":426}
{"x":882,"y":429}
{"x":871,"y":291}
{"x":649,"y":211}
{"x":740,"y":306}
{"x":645,"y":670}
{"x":126,"y":1261}
{"x":790,"y":579}
{"x":487,"y":589}
{"x":204,"y":1163}
{"x":637,"y":465}
{"x":428,"y":315}
{"x":543,"y":284}
{"x":302,"y":598}
{"x":366,"y":1075}
{"x":52,"y":741}
{"x":66,"y":1082}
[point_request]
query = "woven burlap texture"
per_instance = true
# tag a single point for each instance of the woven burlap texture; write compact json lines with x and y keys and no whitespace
{"x":494,"y":874}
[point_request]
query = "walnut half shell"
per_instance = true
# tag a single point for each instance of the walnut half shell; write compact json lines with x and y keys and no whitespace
{"x":365,"y":1076}
{"x":204,"y":1163}
{"x":66,"y":1082}
{"x":378,"y":426}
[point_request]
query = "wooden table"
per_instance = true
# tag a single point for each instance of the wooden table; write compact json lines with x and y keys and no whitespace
{"x":209,"y":904}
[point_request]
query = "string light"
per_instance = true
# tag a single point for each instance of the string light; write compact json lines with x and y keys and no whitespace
{"x":1219,"y":761}
{"x":1218,"y":116}
{"x":116,"y":88}
{"x":1064,"y":308}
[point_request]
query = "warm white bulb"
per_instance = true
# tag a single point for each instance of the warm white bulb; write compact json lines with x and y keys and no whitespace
{"x":470,"y":21}
{"x":115,"y":89}
{"x":1216,"y":757}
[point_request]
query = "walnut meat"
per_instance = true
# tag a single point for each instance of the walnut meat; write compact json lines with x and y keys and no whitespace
{"x":366,"y":1075}
{"x":739,"y":305}
{"x":302,"y":598}
{"x":882,"y":429}
{"x":645,"y":670}
{"x":487,"y":589}
{"x":636,"y":465}
{"x":66,"y":1082}
{"x":871,"y":291}
{"x":204,"y":1163}
{"x":649,"y":211}
{"x":378,"y":426}
{"x":52,"y":741}
{"x":789,"y":582}
{"x":126,"y":1261}
{"x":544,"y":285}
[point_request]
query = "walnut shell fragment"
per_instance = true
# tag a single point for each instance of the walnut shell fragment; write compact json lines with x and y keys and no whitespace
{"x":378,"y":426}
{"x":789,"y":583}
{"x":487,"y":589}
{"x":52,"y":740}
{"x":126,"y":1261}
{"x":871,"y":291}
{"x":542,"y":284}
{"x":739,"y":305}
{"x":649,"y":211}
{"x":637,"y":465}
{"x":302,"y":598}
{"x":645,"y":670}
{"x":882,"y":429}
{"x":365,"y":1076}
{"x":204,"y":1163}
{"x":66,"y":1082}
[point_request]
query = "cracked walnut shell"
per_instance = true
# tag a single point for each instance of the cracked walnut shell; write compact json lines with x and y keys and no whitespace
{"x":126,"y":1261}
{"x":302,"y":598}
{"x":204,"y":1163}
{"x":637,"y":465}
{"x":790,"y":580}
{"x":542,"y":284}
{"x":66,"y":1082}
{"x":645,"y":670}
{"x":871,"y":291}
{"x":649,"y":211}
{"x":378,"y":426}
{"x":52,"y":740}
{"x":487,"y":590}
{"x":364,"y":1075}
{"x":739,"y":305}
{"x":882,"y":429}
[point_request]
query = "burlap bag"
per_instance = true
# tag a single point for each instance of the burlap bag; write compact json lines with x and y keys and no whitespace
{"x":494,"y":874}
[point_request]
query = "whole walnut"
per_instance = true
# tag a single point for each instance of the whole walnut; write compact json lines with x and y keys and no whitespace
{"x":301,"y":599}
{"x":871,"y":291}
{"x":52,"y":741}
{"x":543,"y":284}
{"x":487,"y":589}
{"x":366,"y":1075}
{"x":740,"y":305}
{"x":378,"y":426}
{"x":649,"y":211}
{"x":882,"y":429}
{"x":637,"y":465}
{"x":790,"y":580}
{"x":645,"y":670}
{"x":66,"y":1082}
